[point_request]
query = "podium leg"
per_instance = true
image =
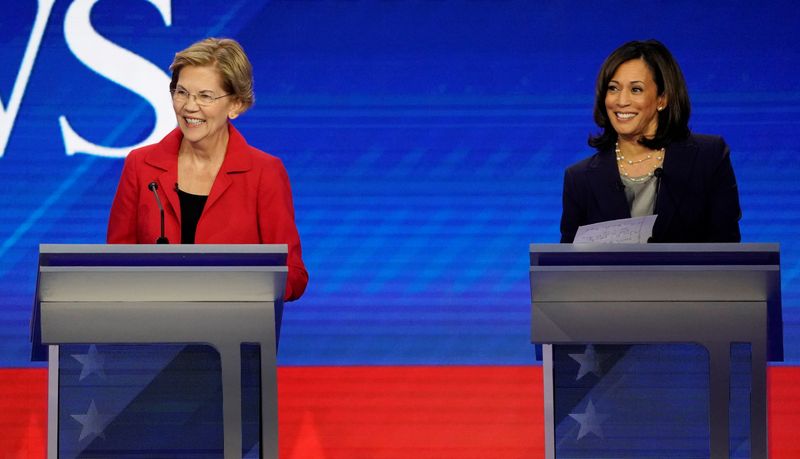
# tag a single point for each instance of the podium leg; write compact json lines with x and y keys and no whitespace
{"x":758,"y":401}
{"x":549,"y":402}
{"x":269,"y":399}
{"x":231,"y":364}
{"x":719,"y":399}
{"x":52,"y":402}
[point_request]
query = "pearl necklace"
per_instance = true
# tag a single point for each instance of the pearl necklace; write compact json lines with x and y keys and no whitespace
{"x":621,"y":161}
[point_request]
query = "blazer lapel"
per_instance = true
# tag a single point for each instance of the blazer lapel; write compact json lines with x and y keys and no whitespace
{"x":236,"y":161}
{"x":679,"y":161}
{"x":603,"y":177}
{"x":166,"y":159}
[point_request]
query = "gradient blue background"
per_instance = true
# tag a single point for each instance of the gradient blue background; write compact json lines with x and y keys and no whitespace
{"x":425,"y":141}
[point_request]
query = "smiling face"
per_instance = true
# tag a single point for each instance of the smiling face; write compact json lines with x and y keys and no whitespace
{"x":204,"y":126}
{"x":632,"y":101}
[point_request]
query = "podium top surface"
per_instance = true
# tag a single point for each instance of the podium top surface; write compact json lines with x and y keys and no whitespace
{"x":115,"y":273}
{"x":162,"y":255}
{"x":762,"y":254}
{"x":570,"y":273}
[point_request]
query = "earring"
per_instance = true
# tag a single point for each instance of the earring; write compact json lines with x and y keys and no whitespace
{"x":660,"y":108}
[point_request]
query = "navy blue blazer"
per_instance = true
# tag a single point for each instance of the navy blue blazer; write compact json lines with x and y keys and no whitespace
{"x":697,"y":201}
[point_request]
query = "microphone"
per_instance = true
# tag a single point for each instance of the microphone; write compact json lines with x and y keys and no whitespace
{"x":658,"y":173}
{"x":153,"y":186}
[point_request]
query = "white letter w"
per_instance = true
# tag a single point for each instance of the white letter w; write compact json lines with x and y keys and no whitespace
{"x":8,"y":116}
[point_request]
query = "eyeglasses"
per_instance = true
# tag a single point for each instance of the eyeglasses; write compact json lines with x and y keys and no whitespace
{"x":203,"y":98}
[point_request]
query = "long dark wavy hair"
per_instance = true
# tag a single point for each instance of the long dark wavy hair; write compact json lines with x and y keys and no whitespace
{"x":673,"y":121}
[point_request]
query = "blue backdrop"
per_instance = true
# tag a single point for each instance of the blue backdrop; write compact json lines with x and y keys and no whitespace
{"x":425,"y":141}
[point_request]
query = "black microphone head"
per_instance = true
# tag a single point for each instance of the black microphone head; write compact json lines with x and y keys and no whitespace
{"x":659,"y":172}
{"x":152,"y":186}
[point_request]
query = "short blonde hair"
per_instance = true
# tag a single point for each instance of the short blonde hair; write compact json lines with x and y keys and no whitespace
{"x":227,"y":56}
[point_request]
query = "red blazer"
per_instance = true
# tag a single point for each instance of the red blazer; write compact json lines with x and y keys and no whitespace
{"x":249,"y":203}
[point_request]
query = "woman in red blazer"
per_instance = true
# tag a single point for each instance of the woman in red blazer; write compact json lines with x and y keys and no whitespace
{"x":215,"y":188}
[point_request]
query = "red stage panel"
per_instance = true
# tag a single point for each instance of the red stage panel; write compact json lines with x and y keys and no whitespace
{"x":420,"y":412}
{"x":23,"y":413}
{"x":392,"y":412}
{"x":783,"y":417}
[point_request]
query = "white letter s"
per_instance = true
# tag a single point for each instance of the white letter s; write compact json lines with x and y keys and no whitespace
{"x":120,"y":66}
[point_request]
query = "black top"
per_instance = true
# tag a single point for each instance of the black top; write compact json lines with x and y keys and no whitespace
{"x":191,"y":209}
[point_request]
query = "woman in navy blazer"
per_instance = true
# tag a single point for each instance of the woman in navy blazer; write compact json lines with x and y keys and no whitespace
{"x":215,"y":188}
{"x":647,"y":161}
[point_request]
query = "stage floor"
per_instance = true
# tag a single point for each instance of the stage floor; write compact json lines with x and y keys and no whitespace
{"x":376,"y":412}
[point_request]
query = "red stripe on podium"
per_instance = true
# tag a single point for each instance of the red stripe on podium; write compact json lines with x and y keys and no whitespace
{"x":392,"y":412}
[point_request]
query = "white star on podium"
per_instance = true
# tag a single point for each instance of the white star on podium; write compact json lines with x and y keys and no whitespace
{"x":92,"y":362}
{"x":92,"y":422}
{"x":590,"y":421}
{"x":590,"y":362}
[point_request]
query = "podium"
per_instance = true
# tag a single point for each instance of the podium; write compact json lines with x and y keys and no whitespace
{"x":223,"y":296}
{"x":721,"y":298}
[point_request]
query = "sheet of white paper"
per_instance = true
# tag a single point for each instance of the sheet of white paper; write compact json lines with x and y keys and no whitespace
{"x":635,"y":230}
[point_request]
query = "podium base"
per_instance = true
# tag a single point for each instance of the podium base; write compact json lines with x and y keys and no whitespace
{"x":150,"y":401}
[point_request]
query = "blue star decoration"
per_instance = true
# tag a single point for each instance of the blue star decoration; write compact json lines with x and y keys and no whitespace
{"x":92,"y":362}
{"x":92,"y":422}
{"x":589,"y":361}
{"x":590,"y":421}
